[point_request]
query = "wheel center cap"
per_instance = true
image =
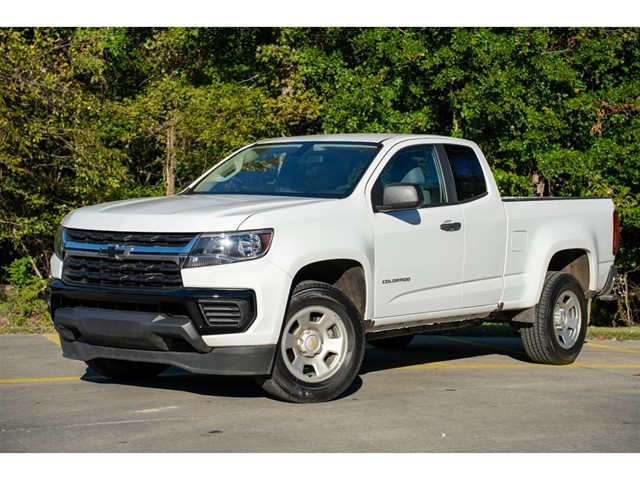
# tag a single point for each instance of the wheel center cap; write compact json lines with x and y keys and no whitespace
{"x":309,"y":343}
{"x":560,"y":318}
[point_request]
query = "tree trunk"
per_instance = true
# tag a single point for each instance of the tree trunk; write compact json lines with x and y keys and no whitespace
{"x":172,"y":161}
{"x":33,"y":264}
{"x":455,"y":122}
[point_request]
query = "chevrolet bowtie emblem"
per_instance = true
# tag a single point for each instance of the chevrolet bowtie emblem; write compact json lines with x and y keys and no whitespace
{"x":116,"y":251}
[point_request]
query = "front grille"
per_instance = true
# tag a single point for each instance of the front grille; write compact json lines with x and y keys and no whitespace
{"x":127,"y":239}
{"x":124,"y":259}
{"x":152,"y":273}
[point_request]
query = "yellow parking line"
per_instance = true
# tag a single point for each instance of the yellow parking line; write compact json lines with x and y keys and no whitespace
{"x":607,"y":365}
{"x":82,"y":377}
{"x":489,"y":366}
{"x":469,"y":366}
{"x":616,"y":349}
{"x":425,"y":366}
{"x":5,"y":381}
{"x":52,"y":337}
{"x":511,"y":350}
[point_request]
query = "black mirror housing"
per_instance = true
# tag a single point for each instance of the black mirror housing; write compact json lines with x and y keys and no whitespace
{"x":401,"y":196}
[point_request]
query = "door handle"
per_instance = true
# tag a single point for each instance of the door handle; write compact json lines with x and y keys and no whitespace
{"x":449,"y":226}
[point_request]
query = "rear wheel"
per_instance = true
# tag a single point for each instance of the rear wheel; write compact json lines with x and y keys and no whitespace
{"x":560,"y":326}
{"x":321,"y":346}
{"x":392,"y":343}
{"x":124,"y":369}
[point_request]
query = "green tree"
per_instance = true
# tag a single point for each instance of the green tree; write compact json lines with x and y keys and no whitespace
{"x":95,"y":114}
{"x":52,"y":154}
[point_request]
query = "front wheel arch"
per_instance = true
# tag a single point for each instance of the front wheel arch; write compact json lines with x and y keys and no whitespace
{"x":346,"y":275}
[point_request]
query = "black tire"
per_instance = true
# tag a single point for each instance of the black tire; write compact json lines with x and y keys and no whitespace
{"x":124,"y":369}
{"x":392,"y":343}
{"x":321,"y":346}
{"x":557,"y":335}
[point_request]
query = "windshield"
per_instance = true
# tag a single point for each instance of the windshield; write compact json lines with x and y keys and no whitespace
{"x":306,"y":169}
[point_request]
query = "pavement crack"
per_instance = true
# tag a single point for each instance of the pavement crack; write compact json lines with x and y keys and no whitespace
{"x":609,"y":372}
{"x":97,"y":424}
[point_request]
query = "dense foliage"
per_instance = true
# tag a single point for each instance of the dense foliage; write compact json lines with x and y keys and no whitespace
{"x":91,"y":115}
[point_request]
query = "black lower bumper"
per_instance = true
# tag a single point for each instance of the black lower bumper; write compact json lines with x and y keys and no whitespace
{"x":250,"y":360}
{"x":127,"y":329}
{"x":158,"y":327}
{"x":212,"y":311}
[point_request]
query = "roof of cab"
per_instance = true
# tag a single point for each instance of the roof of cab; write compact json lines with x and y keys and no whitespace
{"x":355,"y":137}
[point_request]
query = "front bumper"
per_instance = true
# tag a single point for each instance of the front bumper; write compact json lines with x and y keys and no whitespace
{"x":212,"y":311}
{"x":244,"y":360}
{"x":159,"y":327}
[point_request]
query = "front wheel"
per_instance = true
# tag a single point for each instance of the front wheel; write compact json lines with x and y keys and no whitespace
{"x":557,"y":335}
{"x":321,"y":347}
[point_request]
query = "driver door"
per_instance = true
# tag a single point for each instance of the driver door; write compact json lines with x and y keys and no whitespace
{"x":418,"y":252}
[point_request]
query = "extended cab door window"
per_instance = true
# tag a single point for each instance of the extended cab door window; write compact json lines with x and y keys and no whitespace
{"x":417,"y":165}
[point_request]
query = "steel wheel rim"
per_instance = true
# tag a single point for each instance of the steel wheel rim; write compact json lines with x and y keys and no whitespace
{"x":314,"y":344}
{"x":567,"y":319}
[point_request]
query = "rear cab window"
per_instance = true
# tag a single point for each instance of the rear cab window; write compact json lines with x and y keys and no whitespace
{"x":467,"y":172}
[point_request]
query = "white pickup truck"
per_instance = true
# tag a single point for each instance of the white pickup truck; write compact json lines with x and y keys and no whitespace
{"x":286,"y":257}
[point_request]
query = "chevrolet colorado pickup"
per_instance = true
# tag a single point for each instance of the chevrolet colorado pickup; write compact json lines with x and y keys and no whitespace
{"x":283,"y":259}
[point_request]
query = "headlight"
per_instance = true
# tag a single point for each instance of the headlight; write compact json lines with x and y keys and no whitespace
{"x":222,"y":248}
{"x":57,"y":244}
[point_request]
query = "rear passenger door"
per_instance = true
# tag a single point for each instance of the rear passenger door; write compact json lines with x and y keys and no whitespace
{"x":484,"y":227}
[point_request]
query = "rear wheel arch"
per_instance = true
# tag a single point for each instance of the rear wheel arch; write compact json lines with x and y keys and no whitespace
{"x":576,"y":262}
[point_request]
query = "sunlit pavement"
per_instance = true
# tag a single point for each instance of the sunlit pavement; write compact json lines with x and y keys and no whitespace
{"x":440,"y":394}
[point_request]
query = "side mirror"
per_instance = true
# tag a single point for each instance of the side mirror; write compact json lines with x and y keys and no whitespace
{"x":401,"y":196}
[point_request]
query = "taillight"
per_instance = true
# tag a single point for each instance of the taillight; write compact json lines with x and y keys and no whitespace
{"x":616,"y":232}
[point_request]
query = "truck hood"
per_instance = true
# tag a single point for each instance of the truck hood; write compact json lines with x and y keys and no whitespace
{"x":178,"y":213}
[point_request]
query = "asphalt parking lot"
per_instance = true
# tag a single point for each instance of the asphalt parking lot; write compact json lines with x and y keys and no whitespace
{"x":440,"y":394}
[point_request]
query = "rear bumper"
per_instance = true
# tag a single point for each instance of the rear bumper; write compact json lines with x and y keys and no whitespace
{"x":607,"y":292}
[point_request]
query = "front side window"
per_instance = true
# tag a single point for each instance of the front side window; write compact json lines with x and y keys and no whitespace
{"x":417,"y":165}
{"x":306,"y":169}
{"x":467,"y":172}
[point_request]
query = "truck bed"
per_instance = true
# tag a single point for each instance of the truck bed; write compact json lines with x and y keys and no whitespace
{"x":539,"y":225}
